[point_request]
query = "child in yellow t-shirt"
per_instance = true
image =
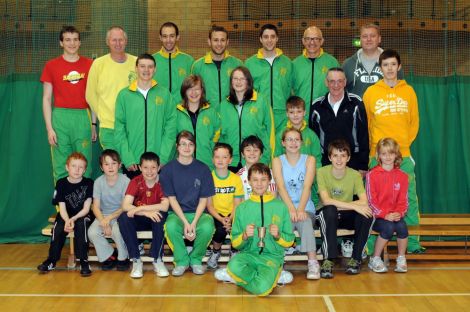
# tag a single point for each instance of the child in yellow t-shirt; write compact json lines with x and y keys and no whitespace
{"x":228,"y":195}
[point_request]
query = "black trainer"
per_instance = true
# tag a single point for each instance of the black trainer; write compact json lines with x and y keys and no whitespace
{"x":109,"y":264}
{"x":123,"y":265}
{"x":46,"y":266}
{"x":326,"y":269}
{"x":84,"y":268}
{"x":353,"y":267}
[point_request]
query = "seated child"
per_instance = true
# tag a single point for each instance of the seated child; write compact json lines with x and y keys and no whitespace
{"x":261,"y":230}
{"x":145,"y":208}
{"x":188,"y":184}
{"x":337,"y":184}
{"x":251,"y":149}
{"x":387,"y":191}
{"x":108,"y":193}
{"x":73,"y":194}
{"x":294,"y":173}
{"x":228,"y":195}
{"x":310,"y":145}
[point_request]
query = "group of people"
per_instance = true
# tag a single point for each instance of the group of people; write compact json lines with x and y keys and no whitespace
{"x":319,"y":126}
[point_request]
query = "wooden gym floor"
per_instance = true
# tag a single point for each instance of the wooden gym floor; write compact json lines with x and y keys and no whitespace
{"x":428,"y":286}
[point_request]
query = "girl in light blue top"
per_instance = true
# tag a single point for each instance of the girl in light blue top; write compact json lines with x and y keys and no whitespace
{"x":294,"y":174}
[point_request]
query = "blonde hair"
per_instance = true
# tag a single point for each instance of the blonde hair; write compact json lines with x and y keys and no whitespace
{"x":284,"y":134}
{"x":392,"y":146}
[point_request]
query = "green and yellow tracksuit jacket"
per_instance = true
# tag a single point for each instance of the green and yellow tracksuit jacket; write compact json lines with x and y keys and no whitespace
{"x":216,"y":82}
{"x":172,"y":69}
{"x":207,"y":130}
{"x":145,"y":124}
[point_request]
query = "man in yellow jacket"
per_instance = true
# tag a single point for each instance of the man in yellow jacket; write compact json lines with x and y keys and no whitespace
{"x":392,"y":111}
{"x":108,"y":75}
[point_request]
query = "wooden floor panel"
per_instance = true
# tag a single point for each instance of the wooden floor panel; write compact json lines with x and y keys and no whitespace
{"x":428,"y":286}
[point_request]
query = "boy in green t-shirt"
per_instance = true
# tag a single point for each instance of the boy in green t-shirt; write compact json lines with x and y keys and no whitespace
{"x":337,"y":184}
{"x":228,"y":195}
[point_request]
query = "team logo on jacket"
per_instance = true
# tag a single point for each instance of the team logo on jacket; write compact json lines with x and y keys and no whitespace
{"x":182,"y":72}
{"x":324,"y":70}
{"x":396,"y":186}
{"x":131,"y":77}
{"x":307,"y":142}
{"x":283,"y":71}
{"x":275,"y":219}
{"x":229,"y":71}
{"x":391,"y":105}
{"x":85,"y":143}
{"x":158,"y":100}
{"x":206,"y":121}
{"x":270,"y":263}
{"x":73,"y":77}
{"x":253,"y":110}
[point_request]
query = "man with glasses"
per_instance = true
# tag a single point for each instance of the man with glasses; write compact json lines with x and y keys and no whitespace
{"x":341,"y":115}
{"x":310,"y":68}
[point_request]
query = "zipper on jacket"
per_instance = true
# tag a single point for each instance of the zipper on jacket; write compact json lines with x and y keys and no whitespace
{"x":311,"y":81}
{"x":272,"y":87}
{"x":239,"y":132}
{"x":220,"y":84}
{"x":145,"y":122}
{"x":169,"y":71}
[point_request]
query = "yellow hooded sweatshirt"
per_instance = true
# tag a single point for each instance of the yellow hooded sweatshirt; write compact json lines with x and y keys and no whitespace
{"x":392,"y":112}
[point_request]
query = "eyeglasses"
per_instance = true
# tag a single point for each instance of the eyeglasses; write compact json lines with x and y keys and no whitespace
{"x":184,"y":144}
{"x":290,"y":140}
{"x":310,"y":39}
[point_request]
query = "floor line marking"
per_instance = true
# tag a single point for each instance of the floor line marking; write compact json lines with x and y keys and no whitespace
{"x":290,"y":269}
{"x":329,"y":304}
{"x":326,"y":297}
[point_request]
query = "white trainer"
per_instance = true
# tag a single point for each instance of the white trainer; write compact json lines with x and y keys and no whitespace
{"x":160,"y":269}
{"x":313,"y":272}
{"x":223,"y":276}
{"x":137,"y":269}
{"x":198,"y":269}
{"x":377,"y":265}
{"x":285,"y":277}
{"x":179,"y":270}
{"x":401,"y":265}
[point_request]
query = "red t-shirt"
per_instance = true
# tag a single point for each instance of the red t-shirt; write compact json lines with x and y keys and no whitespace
{"x":143,"y":195}
{"x":68,"y":81}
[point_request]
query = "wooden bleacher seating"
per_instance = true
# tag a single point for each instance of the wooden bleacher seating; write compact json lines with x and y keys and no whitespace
{"x":454,"y":227}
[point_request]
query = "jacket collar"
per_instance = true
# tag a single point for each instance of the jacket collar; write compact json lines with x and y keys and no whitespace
{"x":165,"y":54}
{"x":261,"y":56}
{"x":208,"y":57}
{"x":304,"y":125}
{"x":304,"y":53}
{"x":267,"y":197}
{"x":133,"y":85}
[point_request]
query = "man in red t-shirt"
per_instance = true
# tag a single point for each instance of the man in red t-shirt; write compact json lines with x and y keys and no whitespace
{"x":69,"y":126}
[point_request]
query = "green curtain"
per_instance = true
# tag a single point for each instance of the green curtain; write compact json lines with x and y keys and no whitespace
{"x":441,"y":151}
